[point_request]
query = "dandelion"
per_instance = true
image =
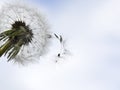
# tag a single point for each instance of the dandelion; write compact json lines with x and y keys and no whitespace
{"x":24,"y":33}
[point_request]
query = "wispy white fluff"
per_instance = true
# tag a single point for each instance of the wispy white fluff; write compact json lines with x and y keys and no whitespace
{"x":18,"y":11}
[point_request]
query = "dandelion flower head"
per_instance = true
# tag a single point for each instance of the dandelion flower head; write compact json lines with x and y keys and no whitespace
{"x":33,"y":29}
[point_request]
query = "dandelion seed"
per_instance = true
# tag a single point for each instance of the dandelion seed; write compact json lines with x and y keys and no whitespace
{"x":24,"y":33}
{"x":61,"y":39}
{"x":58,"y":54}
{"x":56,"y":35}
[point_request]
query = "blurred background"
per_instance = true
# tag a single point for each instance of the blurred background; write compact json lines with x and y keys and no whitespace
{"x":92,"y":31}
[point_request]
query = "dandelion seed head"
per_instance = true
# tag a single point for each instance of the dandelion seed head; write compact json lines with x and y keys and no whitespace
{"x":14,"y":15}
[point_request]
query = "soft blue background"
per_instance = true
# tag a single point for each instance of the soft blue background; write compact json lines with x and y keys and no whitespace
{"x":92,"y":30}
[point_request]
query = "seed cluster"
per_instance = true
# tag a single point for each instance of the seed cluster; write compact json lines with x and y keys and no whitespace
{"x":25,"y":32}
{"x":19,"y":35}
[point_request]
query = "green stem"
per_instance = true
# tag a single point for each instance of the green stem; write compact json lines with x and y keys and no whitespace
{"x":4,"y":47}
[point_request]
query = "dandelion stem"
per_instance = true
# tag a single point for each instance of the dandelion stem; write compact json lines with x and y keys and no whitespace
{"x":4,"y":47}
